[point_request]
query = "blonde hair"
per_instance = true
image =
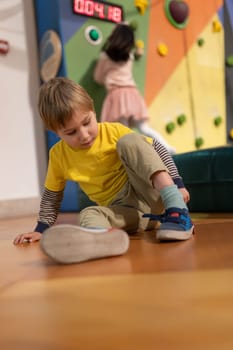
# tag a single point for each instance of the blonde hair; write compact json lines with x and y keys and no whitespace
{"x":59,"y":98}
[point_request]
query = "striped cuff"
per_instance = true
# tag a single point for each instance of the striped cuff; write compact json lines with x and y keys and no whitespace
{"x":41,"y":227}
{"x":178,"y":182}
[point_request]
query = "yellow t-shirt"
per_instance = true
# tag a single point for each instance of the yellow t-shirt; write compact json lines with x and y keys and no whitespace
{"x":98,"y":169}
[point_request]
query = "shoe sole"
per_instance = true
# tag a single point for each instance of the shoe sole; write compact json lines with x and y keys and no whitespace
{"x":69,"y":244}
{"x":172,"y":235}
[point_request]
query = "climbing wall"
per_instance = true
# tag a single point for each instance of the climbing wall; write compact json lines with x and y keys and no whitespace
{"x":181,"y":73}
{"x":185,"y":86}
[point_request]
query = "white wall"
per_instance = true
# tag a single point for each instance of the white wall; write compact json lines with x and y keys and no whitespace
{"x":22,"y":138}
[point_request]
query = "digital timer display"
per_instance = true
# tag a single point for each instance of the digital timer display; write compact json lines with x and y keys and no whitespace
{"x":102,"y":10}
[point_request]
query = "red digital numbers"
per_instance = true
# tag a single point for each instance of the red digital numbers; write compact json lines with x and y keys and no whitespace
{"x":114,"y":14}
{"x":100,"y":10}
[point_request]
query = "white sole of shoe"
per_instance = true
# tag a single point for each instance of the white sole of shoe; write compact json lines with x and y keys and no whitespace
{"x":69,"y":244}
{"x":170,"y":235}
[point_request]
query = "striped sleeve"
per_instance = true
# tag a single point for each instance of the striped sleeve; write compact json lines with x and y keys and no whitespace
{"x":169,"y":162}
{"x":49,"y":208}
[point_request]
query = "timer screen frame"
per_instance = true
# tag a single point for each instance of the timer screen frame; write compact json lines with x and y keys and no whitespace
{"x":101,"y":10}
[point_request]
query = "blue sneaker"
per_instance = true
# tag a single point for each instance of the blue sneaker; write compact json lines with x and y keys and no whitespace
{"x":176,"y":224}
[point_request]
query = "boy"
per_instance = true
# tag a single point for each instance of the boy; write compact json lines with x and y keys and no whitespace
{"x":117,"y":168}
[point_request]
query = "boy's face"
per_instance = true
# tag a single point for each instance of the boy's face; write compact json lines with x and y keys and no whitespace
{"x":80,"y":131}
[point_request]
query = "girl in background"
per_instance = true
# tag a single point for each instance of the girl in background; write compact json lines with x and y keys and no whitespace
{"x":123,"y":102}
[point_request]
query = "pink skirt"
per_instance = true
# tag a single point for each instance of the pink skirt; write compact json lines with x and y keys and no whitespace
{"x":122,"y":103}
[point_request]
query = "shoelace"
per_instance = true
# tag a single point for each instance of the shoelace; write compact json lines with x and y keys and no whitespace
{"x":170,"y":215}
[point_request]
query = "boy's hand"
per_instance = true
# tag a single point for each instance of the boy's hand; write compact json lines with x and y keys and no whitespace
{"x":185,"y":194}
{"x":27,"y":237}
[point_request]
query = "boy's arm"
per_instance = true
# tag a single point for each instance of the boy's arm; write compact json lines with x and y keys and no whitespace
{"x":173,"y":171}
{"x":169,"y":162}
{"x":49,"y":209}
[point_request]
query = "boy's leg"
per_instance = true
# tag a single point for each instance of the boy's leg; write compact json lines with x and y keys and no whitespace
{"x":143,"y":164}
{"x":69,"y":244}
{"x":99,"y":235}
{"x":127,"y":218}
{"x":176,"y":223}
{"x":141,"y":161}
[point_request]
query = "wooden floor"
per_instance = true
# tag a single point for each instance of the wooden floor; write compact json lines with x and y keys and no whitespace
{"x":157,"y":296}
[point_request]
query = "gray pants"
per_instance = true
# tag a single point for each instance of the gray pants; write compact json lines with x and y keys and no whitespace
{"x":137,"y":196}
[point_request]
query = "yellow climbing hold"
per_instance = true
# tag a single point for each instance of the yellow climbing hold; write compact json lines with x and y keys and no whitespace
{"x":162,"y":49}
{"x":216,"y":26}
{"x":141,"y":5}
{"x":231,"y":134}
{"x":139,"y":44}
